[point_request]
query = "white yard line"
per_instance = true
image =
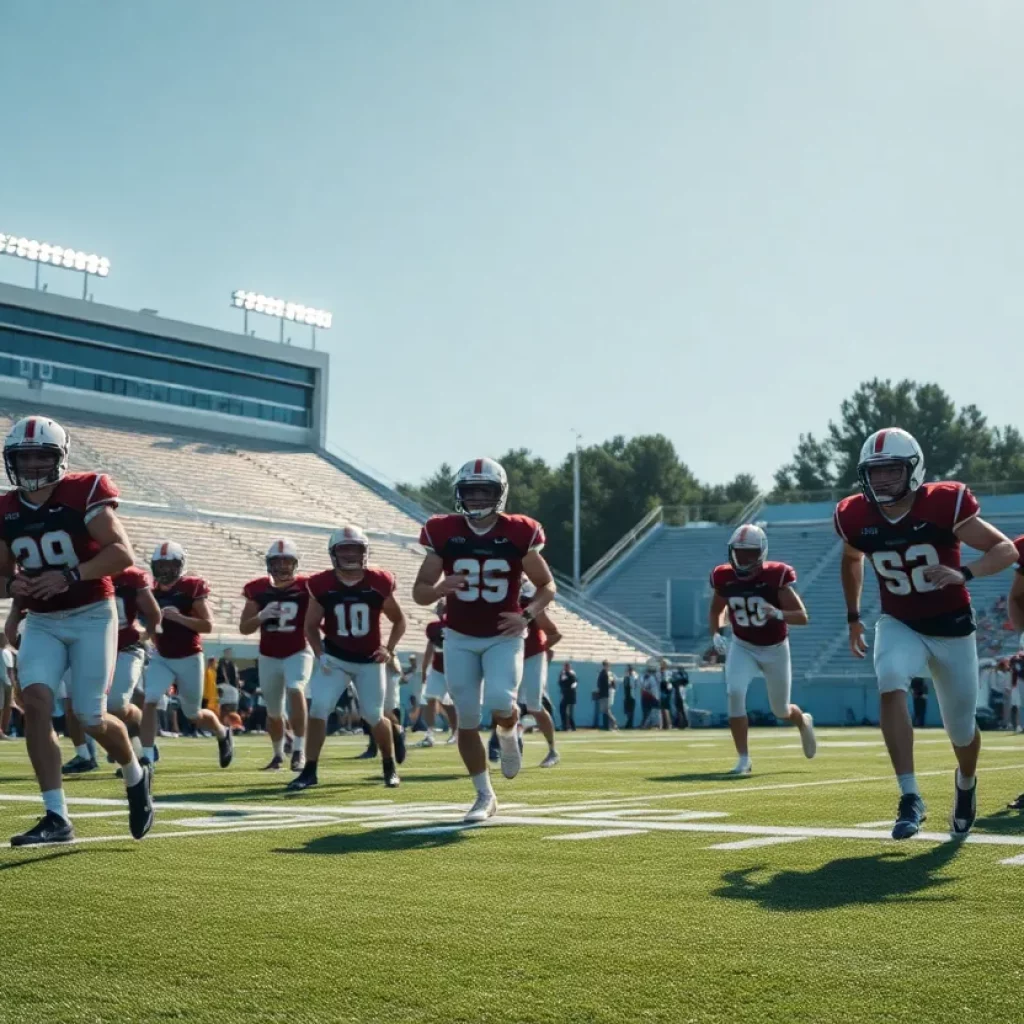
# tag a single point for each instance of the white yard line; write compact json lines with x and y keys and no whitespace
{"x":751,"y":844}
{"x":602,"y":834}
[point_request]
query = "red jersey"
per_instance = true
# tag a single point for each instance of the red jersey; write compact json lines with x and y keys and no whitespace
{"x":127,"y":585}
{"x":492,"y":563}
{"x":435,"y":635}
{"x":175,"y":640}
{"x":746,"y":597}
{"x":536,"y":638}
{"x":284,"y":636}
{"x":351,"y":622}
{"x":55,"y":535}
{"x":1019,"y":545}
{"x":901,"y":551}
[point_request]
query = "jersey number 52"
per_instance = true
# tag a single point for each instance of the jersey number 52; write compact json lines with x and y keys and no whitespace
{"x":904,"y":574}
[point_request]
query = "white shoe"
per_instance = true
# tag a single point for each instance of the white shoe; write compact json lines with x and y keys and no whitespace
{"x":742,"y":768}
{"x":454,"y":738}
{"x":486,"y":806}
{"x":807,"y":738}
{"x":551,"y":760}
{"x":511,"y":759}
{"x":427,"y":741}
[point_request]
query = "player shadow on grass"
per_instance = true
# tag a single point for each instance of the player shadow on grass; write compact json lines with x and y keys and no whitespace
{"x":888,"y":876}
{"x":720,"y":776}
{"x":1004,"y":822}
{"x":28,"y":861}
{"x":376,"y":841}
{"x":229,"y":795}
{"x":451,"y":777}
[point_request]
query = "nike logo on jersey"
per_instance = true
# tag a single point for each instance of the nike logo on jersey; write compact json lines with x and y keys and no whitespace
{"x":918,"y":526}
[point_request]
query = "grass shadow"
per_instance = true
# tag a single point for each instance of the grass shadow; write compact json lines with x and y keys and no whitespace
{"x":722,"y":776}
{"x":454,"y":777}
{"x":1005,"y":822}
{"x":229,"y":795}
{"x":886,"y":877}
{"x":55,"y":855}
{"x":376,"y":841}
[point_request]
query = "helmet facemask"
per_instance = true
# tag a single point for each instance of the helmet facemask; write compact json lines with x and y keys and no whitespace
{"x":350,"y":557}
{"x":479,"y":499}
{"x":167,"y":571}
{"x":282,"y":569}
{"x":886,"y":481}
{"x":746,"y":561}
{"x":32,"y":467}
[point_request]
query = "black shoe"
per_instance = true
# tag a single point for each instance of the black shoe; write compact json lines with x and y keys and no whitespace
{"x":304,"y":780}
{"x":399,"y":735}
{"x":226,"y":747}
{"x":298,"y":760}
{"x":140,"y":804}
{"x":965,"y":808}
{"x":1018,"y":804}
{"x":367,"y":755}
{"x":275,"y":765}
{"x":391,"y":779}
{"x":288,"y":745}
{"x":110,"y":758}
{"x":79,"y":765}
{"x":910,"y":816}
{"x":156,"y":753}
{"x":51,"y":828}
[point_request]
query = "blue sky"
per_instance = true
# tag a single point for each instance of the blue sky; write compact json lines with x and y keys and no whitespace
{"x":701,"y":218}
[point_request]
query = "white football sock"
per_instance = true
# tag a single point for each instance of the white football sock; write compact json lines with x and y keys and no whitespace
{"x":83,"y":752}
{"x":132,"y":772}
{"x":508,"y":737}
{"x":53,"y":801}
{"x":483,"y":784}
{"x":278,"y":748}
{"x":908,"y":784}
{"x":299,"y":743}
{"x":965,"y":782}
{"x":137,"y":746}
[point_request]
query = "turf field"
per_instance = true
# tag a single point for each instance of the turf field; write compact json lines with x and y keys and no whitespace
{"x":631,"y":883}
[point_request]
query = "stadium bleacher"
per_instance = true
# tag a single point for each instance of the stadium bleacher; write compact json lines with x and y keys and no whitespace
{"x":227,"y":501}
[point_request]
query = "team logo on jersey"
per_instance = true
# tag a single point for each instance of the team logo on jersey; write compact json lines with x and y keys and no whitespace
{"x":12,"y":515}
{"x":457,"y":540}
{"x":869,"y":531}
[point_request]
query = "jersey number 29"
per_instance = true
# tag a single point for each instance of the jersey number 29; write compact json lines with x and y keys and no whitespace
{"x":54,"y":548}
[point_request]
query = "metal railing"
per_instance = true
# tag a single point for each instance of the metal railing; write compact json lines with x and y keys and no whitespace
{"x":983,"y":488}
{"x":649,"y":521}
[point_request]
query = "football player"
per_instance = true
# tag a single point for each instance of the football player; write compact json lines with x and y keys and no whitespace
{"x":178,"y":659}
{"x":475,"y":560}
{"x":759,"y":598}
{"x":343,"y":628}
{"x":1015,"y":611}
{"x":541,"y":637}
{"x":276,"y":605}
{"x":60,"y":544}
{"x":432,"y":681}
{"x":911,"y":532}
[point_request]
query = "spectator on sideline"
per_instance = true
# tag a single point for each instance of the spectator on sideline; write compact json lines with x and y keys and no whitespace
{"x":7,"y":675}
{"x":630,"y":687}
{"x":210,"y":686}
{"x":605,"y":696}
{"x":227,"y":684}
{"x":680,"y":680}
{"x":919,"y":689}
{"x":1016,"y":675}
{"x":567,"y":683}
{"x":665,"y":689}
{"x":412,"y":677}
{"x":649,"y":701}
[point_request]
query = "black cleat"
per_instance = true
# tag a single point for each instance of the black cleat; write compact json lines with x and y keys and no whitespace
{"x":79,"y":765}
{"x":226,"y":747}
{"x":275,"y":765}
{"x":910,"y":816}
{"x":298,"y":760}
{"x":367,"y":755}
{"x":156,"y":753}
{"x":399,"y":735}
{"x":391,"y":780}
{"x":288,"y":745}
{"x":306,"y":779}
{"x":1018,"y":804}
{"x":51,"y":828}
{"x":965,"y":808}
{"x":140,"y":804}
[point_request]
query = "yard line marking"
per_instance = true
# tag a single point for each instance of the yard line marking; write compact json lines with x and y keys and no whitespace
{"x":751,"y":844}
{"x":874,"y":824}
{"x":1014,"y":861}
{"x":603,"y":833}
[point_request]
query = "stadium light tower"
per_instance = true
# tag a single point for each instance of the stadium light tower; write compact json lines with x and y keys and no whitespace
{"x":45,"y":253}
{"x":576,"y":510}
{"x":257,"y":302}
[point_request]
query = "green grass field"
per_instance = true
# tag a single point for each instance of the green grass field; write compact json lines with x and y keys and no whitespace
{"x":632,"y":883}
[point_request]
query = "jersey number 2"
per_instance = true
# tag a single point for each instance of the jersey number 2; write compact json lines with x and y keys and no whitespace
{"x":54,"y":548}
{"x":891,"y":566}
{"x":286,"y":622}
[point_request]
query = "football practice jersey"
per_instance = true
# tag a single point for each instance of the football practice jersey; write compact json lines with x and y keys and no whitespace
{"x":284,"y":636}
{"x":1019,"y":545}
{"x":127,"y":585}
{"x":536,"y":638}
{"x":746,"y":597}
{"x":176,"y":640}
{"x":55,"y":535}
{"x":492,"y":563}
{"x":351,"y":621}
{"x":900,"y":553}
{"x":435,"y":635}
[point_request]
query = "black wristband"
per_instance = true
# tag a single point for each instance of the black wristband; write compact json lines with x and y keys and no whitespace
{"x":72,"y":575}
{"x":966,"y":573}
{"x":528,"y":616}
{"x":852,"y":617}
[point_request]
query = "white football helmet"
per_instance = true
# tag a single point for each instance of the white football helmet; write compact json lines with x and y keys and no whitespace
{"x":886,"y":448}
{"x":480,"y":474}
{"x":168,"y":562}
{"x":279,"y":552}
{"x":751,"y":539}
{"x":38,"y":435}
{"x":348,"y":537}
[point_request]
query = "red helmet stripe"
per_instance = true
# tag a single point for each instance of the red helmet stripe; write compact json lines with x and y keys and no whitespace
{"x":743,"y":535}
{"x":478,"y":468}
{"x":163,"y":550}
{"x":280,"y":547}
{"x":30,"y":430}
{"x":880,"y":441}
